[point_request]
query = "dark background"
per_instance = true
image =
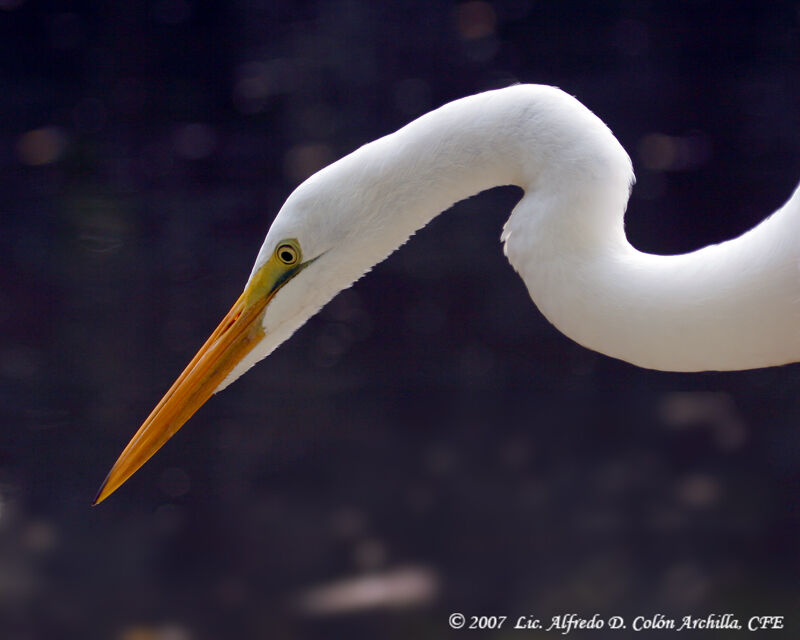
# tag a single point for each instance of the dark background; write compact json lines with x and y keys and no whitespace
{"x":428,"y":424}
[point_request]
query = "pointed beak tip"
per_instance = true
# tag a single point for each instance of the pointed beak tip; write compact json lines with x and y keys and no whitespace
{"x":239,"y":331}
{"x":101,"y":494}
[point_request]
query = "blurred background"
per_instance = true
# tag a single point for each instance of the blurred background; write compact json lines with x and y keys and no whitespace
{"x":428,"y":443}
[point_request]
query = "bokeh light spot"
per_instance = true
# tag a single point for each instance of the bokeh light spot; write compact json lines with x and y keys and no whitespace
{"x":40,"y":537}
{"x":41,"y":146}
{"x":303,"y":160}
{"x":699,"y":491}
{"x":175,"y":482}
{"x":661,"y":152}
{"x":714,"y":411}
{"x":657,"y":151}
{"x":144,"y":632}
{"x":404,"y":587}
{"x":475,"y":20}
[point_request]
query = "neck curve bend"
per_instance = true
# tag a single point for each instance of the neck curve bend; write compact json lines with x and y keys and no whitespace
{"x":735,"y":305}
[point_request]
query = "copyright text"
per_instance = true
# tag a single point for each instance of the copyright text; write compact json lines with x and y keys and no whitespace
{"x":566,"y":623}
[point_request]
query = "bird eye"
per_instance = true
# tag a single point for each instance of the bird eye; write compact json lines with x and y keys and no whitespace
{"x":287,"y":254}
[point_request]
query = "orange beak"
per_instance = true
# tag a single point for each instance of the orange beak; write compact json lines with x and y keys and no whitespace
{"x":240,"y":330}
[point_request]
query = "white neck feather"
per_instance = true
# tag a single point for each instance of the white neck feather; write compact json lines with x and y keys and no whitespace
{"x":735,"y":305}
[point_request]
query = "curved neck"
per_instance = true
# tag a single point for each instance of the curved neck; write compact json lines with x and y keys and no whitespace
{"x":735,"y":305}
{"x":722,"y":307}
{"x":535,"y":137}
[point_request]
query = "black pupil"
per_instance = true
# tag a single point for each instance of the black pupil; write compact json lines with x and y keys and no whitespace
{"x":287,"y":256}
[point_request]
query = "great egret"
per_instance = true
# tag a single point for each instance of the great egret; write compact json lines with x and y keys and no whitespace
{"x":734,"y":305}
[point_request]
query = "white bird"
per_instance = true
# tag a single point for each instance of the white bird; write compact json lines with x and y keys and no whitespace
{"x":734,"y":305}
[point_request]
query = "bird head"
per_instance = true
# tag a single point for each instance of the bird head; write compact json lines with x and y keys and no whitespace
{"x":289,"y":282}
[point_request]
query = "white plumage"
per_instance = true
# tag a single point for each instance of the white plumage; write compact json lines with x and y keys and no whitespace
{"x":735,"y":305}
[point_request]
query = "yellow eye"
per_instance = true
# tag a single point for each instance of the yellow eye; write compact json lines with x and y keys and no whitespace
{"x":287,"y":254}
